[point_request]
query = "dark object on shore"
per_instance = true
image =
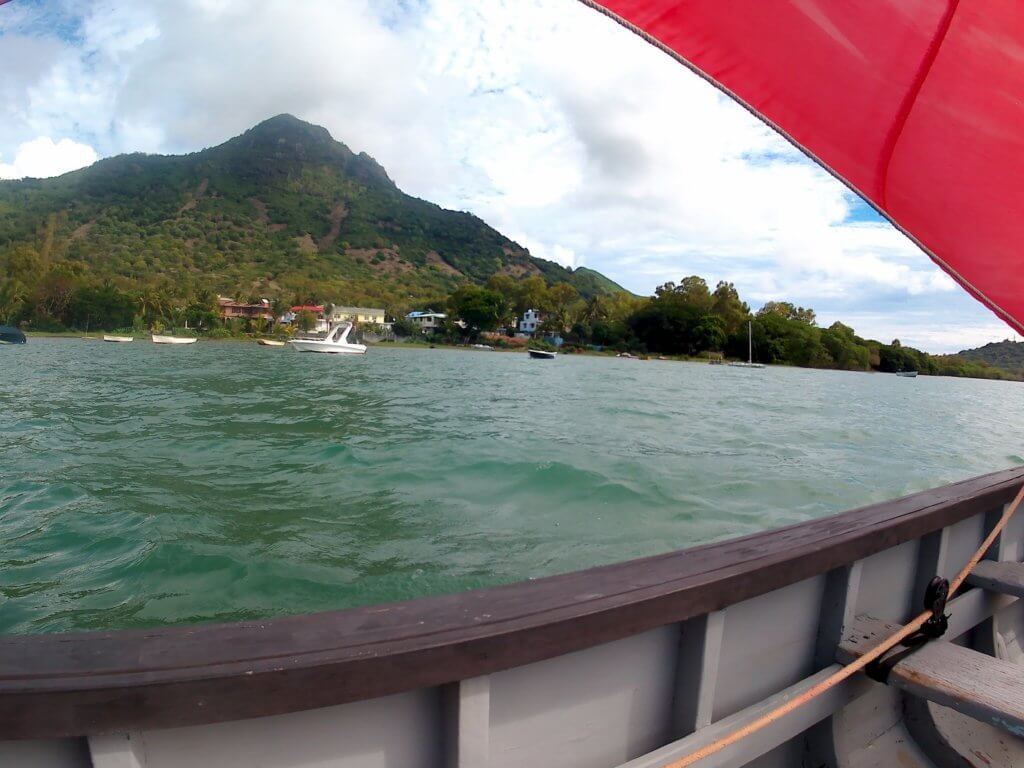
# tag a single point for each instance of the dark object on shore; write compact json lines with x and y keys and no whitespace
{"x":11,"y":335}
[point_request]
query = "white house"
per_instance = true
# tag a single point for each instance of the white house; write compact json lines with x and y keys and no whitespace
{"x":367,"y":315}
{"x":532,"y":318}
{"x":426,"y":321}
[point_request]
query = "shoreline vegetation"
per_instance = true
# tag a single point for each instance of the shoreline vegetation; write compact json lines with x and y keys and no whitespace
{"x":685,"y":321}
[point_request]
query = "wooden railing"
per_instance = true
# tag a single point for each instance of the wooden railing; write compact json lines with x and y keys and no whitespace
{"x":74,"y":684}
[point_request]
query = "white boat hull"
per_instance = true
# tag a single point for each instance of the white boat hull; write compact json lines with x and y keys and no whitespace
{"x":332,"y":349}
{"x":746,"y":365}
{"x":173,"y":340}
{"x":269,"y":343}
{"x":118,"y":339}
{"x":336,"y":343}
{"x":540,"y":354}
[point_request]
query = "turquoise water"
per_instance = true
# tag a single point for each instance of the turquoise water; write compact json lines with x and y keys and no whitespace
{"x":143,"y":485}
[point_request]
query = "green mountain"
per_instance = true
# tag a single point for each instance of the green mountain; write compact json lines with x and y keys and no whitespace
{"x":1002,"y":354}
{"x":282,"y":210}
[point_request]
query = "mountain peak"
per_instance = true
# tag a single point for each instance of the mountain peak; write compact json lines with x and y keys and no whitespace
{"x":287,"y":138}
{"x":289,"y":124}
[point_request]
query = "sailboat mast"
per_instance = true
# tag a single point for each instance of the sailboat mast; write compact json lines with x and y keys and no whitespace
{"x":750,"y":341}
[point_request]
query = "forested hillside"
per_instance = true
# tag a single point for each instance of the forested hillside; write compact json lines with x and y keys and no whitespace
{"x":1003,"y":354}
{"x":282,"y":211}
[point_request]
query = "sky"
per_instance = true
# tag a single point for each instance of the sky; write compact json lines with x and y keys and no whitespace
{"x":559,"y":128}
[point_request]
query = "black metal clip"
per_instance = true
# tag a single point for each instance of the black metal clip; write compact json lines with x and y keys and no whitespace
{"x":935,"y":597}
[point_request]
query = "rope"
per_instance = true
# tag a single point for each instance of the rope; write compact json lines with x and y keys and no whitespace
{"x":856,"y":666}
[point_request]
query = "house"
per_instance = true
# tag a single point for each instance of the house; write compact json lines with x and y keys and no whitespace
{"x":427,"y":321}
{"x":230,"y":309}
{"x":366,"y":315}
{"x":532,"y":318}
{"x":317,"y":310}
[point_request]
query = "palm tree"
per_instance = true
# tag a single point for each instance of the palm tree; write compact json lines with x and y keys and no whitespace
{"x":278,"y":307}
{"x":12,"y":297}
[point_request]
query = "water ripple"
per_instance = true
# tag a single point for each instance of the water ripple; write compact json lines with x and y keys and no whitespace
{"x":143,"y":485}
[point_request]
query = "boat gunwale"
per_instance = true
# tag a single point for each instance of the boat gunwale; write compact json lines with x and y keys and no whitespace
{"x":56,"y":685}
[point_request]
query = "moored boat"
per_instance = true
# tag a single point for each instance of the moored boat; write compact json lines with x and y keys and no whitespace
{"x":542,"y":354}
{"x":336,"y":342}
{"x":118,"y":339}
{"x":174,"y":339}
{"x":907,"y":374}
{"x":269,"y":343}
{"x":11,"y":335}
{"x":636,"y":664}
{"x":750,"y":351}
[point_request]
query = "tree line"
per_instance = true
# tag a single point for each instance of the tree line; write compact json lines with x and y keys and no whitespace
{"x":688,"y":318}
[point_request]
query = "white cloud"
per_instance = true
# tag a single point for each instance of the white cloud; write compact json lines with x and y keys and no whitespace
{"x":44,"y":157}
{"x":564,"y":131}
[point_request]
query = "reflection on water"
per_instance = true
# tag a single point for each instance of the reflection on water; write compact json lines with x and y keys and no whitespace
{"x":142,"y":484}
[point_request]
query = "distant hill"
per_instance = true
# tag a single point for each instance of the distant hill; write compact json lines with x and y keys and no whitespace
{"x":281,"y":209}
{"x":1003,"y":354}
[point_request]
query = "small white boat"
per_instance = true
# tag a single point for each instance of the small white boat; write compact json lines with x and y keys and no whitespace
{"x":118,"y":339}
{"x":336,"y":343}
{"x":487,"y":347}
{"x":907,"y":374}
{"x":269,"y":343}
{"x":174,"y":339}
{"x":750,"y":351}
{"x":541,"y":354}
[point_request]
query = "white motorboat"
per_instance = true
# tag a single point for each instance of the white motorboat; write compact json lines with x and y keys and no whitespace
{"x":336,"y":342}
{"x":118,"y":339}
{"x":542,"y":354}
{"x":907,"y":374}
{"x":269,"y":343}
{"x":750,"y":351}
{"x":174,"y":339}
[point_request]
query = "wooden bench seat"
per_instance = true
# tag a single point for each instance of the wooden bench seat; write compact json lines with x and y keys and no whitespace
{"x":988,"y":689}
{"x":1003,"y":577}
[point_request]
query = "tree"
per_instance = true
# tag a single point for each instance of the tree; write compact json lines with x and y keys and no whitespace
{"x":278,"y":307}
{"x":709,"y":333}
{"x":480,"y":308}
{"x":666,"y":324}
{"x":12,"y":300}
{"x":405,"y":328}
{"x":726,"y":304}
{"x":53,"y":293}
{"x":789,"y":311}
{"x":532,"y":294}
{"x":152,"y":305}
{"x":23,"y":263}
{"x":694,"y":291}
{"x":561,"y":298}
{"x":306,"y":320}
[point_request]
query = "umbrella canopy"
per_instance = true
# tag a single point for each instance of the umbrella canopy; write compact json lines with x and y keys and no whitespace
{"x":917,"y":105}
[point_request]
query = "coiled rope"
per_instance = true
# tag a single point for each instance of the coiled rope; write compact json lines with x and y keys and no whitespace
{"x":856,"y":666}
